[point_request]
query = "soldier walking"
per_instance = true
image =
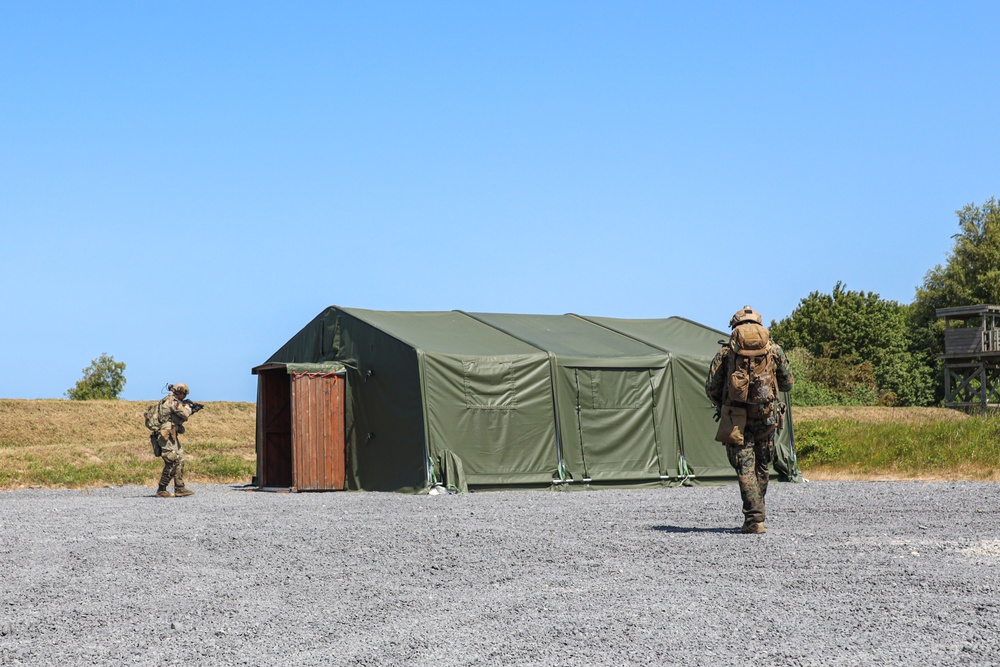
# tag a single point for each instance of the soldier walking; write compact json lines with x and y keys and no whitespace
{"x":743,"y":383}
{"x":173,"y":410}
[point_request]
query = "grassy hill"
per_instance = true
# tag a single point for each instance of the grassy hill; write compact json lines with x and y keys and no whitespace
{"x":80,"y":444}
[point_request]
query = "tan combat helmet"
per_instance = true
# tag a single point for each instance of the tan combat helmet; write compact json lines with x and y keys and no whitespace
{"x":745,"y":314}
{"x":180,"y":388}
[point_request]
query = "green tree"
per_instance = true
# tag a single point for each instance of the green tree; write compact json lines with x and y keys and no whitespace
{"x":970,"y":276}
{"x":103,"y":379}
{"x":814,"y":387}
{"x":859,"y":346}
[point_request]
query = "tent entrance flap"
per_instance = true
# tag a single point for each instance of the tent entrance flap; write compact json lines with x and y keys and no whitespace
{"x":616,"y":424}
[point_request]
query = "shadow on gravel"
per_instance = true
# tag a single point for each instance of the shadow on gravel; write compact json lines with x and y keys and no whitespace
{"x":688,"y":529}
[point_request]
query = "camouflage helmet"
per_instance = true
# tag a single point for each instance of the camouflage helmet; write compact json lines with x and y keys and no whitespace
{"x":180,"y":388}
{"x":745,"y":314}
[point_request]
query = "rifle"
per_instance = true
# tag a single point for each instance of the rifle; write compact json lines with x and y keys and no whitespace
{"x":195,"y":407}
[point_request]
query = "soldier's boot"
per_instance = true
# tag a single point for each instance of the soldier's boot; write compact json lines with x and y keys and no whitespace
{"x":181,"y":491}
{"x":163,"y":493}
{"x":753,"y":528}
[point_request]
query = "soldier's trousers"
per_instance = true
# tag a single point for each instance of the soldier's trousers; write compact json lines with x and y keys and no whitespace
{"x":173,"y":468}
{"x":173,"y":463}
{"x":751,"y":461}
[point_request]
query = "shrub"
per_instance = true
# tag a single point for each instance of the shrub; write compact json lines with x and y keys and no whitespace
{"x":103,"y":379}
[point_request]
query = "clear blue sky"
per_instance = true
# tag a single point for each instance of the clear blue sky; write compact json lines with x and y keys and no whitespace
{"x":184,"y":185}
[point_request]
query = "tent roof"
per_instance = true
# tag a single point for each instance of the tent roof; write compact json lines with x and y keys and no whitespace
{"x":676,"y":335}
{"x":574,"y":340}
{"x":443,"y":332}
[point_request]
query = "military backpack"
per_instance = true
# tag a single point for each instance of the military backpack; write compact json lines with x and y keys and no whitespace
{"x":153,"y":423}
{"x":752,"y":381}
{"x":152,"y":417}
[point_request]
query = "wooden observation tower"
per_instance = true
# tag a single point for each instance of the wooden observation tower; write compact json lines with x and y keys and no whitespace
{"x":971,"y":357}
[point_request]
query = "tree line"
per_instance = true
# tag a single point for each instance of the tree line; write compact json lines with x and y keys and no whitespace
{"x":855,"y":348}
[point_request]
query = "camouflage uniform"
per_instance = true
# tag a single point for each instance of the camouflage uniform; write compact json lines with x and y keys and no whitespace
{"x":173,"y":413}
{"x":752,"y":459}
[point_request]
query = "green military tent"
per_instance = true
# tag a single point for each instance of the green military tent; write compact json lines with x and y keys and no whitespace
{"x":408,"y":401}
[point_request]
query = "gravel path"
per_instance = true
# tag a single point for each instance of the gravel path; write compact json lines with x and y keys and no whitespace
{"x":851,"y":573}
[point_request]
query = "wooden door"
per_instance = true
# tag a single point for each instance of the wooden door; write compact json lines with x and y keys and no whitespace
{"x":318,"y":447}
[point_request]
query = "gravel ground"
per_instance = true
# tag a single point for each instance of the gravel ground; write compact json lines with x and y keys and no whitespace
{"x":850,"y":573}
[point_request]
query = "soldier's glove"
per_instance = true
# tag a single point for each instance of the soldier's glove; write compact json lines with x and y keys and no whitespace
{"x":718,"y":413}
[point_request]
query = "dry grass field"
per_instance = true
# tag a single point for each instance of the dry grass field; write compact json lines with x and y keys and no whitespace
{"x":879,"y":415}
{"x":78,"y":444}
{"x":87,"y":444}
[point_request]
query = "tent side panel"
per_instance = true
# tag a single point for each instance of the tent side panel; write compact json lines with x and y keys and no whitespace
{"x":564,"y":389}
{"x":785,"y":460}
{"x":608,"y":424}
{"x":706,"y":458}
{"x":691,"y":346}
{"x":667,"y":432}
{"x":495,"y":413}
{"x":386,"y":442}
